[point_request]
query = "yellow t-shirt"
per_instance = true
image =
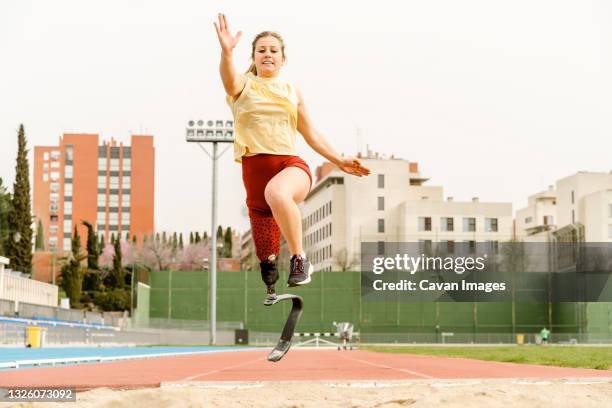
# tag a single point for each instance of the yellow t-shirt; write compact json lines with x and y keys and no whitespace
{"x":265,"y":117}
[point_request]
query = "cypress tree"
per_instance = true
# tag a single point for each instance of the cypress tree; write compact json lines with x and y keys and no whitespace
{"x":164,"y":238}
{"x":220,"y":250}
{"x":127,"y":236}
{"x":19,"y":242}
{"x":72,"y":273}
{"x":134,"y":239}
{"x":40,"y":237}
{"x":157,"y":238}
{"x":93,"y":250}
{"x":174,"y":242}
{"x":180,"y":244}
{"x":197,"y":237}
{"x":191,"y":238}
{"x":205,"y":237}
{"x":118,"y":271}
{"x":5,"y":205}
{"x":227,"y":244}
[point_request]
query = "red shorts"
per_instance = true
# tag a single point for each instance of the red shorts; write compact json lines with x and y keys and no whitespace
{"x":257,"y":171}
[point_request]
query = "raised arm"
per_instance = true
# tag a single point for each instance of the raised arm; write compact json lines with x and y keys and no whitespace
{"x":321,"y":145}
{"x":233,"y":83}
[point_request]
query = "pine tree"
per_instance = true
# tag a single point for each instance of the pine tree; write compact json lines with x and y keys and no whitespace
{"x":205,"y":237}
{"x":19,"y":244}
{"x":180,"y":244}
{"x":174,"y":243}
{"x":40,"y":237}
{"x":93,"y":249}
{"x":190,"y":238}
{"x":157,"y":238}
{"x":127,"y":237}
{"x":227,"y":244}
{"x":164,"y":238}
{"x":197,"y":237}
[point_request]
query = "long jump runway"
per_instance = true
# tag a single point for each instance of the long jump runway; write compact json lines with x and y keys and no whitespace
{"x":298,"y":365}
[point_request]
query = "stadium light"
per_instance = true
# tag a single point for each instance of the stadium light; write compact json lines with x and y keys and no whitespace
{"x":217,"y":131}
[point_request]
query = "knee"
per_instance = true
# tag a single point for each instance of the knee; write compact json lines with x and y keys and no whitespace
{"x":276,"y":198}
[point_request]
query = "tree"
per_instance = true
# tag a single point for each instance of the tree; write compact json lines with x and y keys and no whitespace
{"x":5,"y":205}
{"x":72,"y":273}
{"x":227,"y":242}
{"x":197,"y":237}
{"x":219,"y":241}
{"x":342,"y":259}
{"x":205,"y":237}
{"x":40,"y":237}
{"x":118,"y":272}
{"x":180,"y":243}
{"x":93,"y":249}
{"x":190,"y":238}
{"x":164,"y":238}
{"x":19,"y":245}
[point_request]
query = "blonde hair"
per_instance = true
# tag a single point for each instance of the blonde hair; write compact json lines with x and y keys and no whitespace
{"x":263,"y":34}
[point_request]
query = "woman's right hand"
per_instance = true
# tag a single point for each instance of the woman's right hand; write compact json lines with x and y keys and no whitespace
{"x":226,"y":39}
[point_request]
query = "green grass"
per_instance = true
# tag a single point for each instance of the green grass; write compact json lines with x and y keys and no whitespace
{"x":599,"y":358}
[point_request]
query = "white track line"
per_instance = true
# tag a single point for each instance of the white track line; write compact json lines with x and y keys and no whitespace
{"x":389,"y":367}
{"x":220,"y":369}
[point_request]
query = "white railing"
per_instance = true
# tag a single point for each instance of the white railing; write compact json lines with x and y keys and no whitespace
{"x":26,"y":290}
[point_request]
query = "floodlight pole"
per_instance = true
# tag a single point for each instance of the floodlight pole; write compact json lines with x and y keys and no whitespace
{"x":211,"y":134}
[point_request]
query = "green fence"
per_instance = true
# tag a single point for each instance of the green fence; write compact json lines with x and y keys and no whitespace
{"x":335,"y":297}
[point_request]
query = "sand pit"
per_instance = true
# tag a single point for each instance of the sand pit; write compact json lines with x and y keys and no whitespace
{"x":415,"y":393}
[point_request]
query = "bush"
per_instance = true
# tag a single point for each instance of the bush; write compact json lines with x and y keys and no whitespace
{"x":114,"y":300}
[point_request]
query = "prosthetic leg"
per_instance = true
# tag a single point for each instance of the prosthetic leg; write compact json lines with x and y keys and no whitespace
{"x":266,"y":236}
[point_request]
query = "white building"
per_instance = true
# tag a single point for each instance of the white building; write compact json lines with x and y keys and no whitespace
{"x":580,"y":202}
{"x":390,"y":205}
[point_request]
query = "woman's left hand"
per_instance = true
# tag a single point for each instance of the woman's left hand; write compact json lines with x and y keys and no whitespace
{"x":352,"y":166}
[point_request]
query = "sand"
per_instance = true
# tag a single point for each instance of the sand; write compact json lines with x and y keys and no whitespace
{"x":416,"y":393}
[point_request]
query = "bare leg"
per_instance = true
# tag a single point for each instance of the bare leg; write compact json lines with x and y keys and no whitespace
{"x":283,"y":192}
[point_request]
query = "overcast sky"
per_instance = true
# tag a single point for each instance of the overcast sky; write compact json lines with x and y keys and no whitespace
{"x":495,"y":99}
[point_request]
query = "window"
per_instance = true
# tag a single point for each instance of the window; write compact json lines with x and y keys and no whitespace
{"x":102,"y":164}
{"x":125,"y":182}
{"x":54,"y":165}
{"x":448,"y":247}
{"x":67,"y":226}
{"x":491,"y":224}
{"x":330,"y":208}
{"x":471,"y":246}
{"x":381,"y":181}
{"x":114,"y":182}
{"x":125,"y":200}
{"x":54,"y":197}
{"x":54,"y":175}
{"x":125,"y":218}
{"x":68,"y":207}
{"x":67,"y":244}
{"x":127,"y":164}
{"x":548,"y":220}
{"x":101,"y":219}
{"x":424,"y":223}
{"x":381,"y":225}
{"x":573,"y":217}
{"x":447,"y":224}
{"x":69,"y":153}
{"x":45,"y":177}
{"x":55,"y":155}
{"x":54,"y":187}
{"x":572,"y":196}
{"x":528,"y":220}
{"x":53,"y":229}
{"x":381,"y":247}
{"x":101,"y":181}
{"x":469,"y":224}
{"x":46,"y":156}
{"x":381,"y":203}
{"x":68,"y":189}
{"x":68,"y":172}
{"x":113,"y":200}
{"x":101,"y":200}
{"x":114,"y":164}
{"x":113,"y":218}
{"x":493,"y":246}
{"x":425,"y":245}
